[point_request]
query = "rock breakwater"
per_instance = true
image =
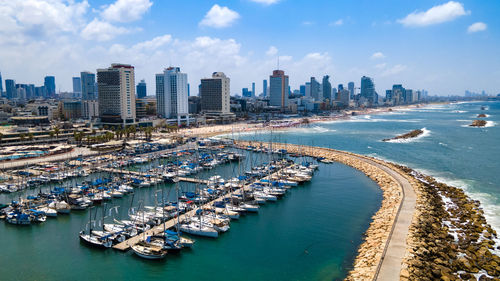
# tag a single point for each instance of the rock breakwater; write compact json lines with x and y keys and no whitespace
{"x":449,"y":238}
{"x":410,"y":135}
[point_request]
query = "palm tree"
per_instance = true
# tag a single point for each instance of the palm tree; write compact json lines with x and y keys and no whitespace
{"x":1,"y":137}
{"x":56,"y":131}
{"x":31,"y":137}
{"x":22,"y":137}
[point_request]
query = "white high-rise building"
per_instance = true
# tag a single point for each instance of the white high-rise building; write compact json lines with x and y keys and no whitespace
{"x":215,"y":94}
{"x":116,"y":88}
{"x":172,"y":94}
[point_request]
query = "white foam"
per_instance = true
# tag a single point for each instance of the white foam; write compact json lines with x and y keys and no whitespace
{"x":425,"y":133}
{"x":489,"y":124}
{"x":313,"y":129}
{"x":491,"y":209}
{"x":459,"y":111}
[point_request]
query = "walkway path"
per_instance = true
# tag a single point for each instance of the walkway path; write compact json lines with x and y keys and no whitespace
{"x":392,"y":259}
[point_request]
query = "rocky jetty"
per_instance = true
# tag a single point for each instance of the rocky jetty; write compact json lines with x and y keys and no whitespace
{"x":482,"y":115}
{"x":412,"y":134}
{"x":449,"y":238}
{"x":478,"y":123}
{"x":376,"y":237}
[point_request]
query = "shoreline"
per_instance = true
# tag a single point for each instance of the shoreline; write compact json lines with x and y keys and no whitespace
{"x":367,"y":264}
{"x":418,"y":236}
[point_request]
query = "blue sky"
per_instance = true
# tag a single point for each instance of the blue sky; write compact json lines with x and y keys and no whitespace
{"x":445,"y":47}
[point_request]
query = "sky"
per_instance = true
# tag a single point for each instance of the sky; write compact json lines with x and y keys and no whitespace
{"x":445,"y":47}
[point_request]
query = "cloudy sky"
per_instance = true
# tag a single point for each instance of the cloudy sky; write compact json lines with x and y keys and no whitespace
{"x":444,"y":47}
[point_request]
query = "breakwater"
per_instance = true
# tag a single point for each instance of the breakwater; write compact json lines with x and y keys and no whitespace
{"x":370,"y":253}
{"x":448,"y":237}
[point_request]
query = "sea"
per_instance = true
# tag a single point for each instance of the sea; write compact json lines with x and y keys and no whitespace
{"x":449,"y":149}
{"x":311,"y":234}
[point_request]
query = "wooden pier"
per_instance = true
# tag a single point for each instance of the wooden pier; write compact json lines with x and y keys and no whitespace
{"x":125,"y":245}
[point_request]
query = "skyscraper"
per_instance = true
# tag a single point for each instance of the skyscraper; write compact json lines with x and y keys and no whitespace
{"x":315,"y":89}
{"x":141,"y":89}
{"x":1,"y":85}
{"x":172,"y":94}
{"x":87,"y":80}
{"x":215,"y":94}
{"x":116,"y":86}
{"x":253,"y":89}
{"x":77,"y":86}
{"x":246,"y":93}
{"x":264,"y":88}
{"x":278,"y":84}
{"x":368,"y":90}
{"x":10,"y":88}
{"x":350,"y":87}
{"x":50,"y":86}
{"x":327,"y":88}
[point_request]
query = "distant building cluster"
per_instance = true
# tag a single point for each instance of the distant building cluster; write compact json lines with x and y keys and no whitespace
{"x":111,"y":97}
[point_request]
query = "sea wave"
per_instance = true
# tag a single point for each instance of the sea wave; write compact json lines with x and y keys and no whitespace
{"x":489,"y":124}
{"x":425,"y":133}
{"x":313,"y":129}
{"x":488,"y":201}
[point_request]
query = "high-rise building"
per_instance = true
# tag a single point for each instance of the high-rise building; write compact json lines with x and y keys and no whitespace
{"x":50,"y":86}
{"x":279,"y":89}
{"x":141,"y":89}
{"x":253,"y":89}
{"x":264,"y":88}
{"x":308,"y":89}
{"x":1,"y":85}
{"x":327,"y":88}
{"x":398,"y":94}
{"x":116,"y":86}
{"x":77,"y":87}
{"x":172,"y":94}
{"x":215,"y":94}
{"x":88,"y":86}
{"x":344,"y":96}
{"x":10,"y":88}
{"x":246,"y":93}
{"x":90,"y":105}
{"x":315,"y":86}
{"x":368,"y":90}
{"x":302,"y":90}
{"x":350,"y":87}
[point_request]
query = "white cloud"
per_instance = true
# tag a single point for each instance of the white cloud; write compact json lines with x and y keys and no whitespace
{"x":338,"y":22}
{"x":381,"y":65}
{"x":435,"y":15}
{"x":272,"y":51}
{"x":154,"y":43}
{"x":307,"y":23}
{"x":102,"y":31}
{"x":126,"y":10}
{"x":398,"y":68}
{"x":377,"y":55}
{"x":478,"y":26}
{"x":219,"y":17}
{"x":22,"y":20}
{"x":266,"y":2}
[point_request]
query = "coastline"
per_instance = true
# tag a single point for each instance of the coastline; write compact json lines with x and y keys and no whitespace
{"x":436,"y":233}
{"x":371,"y":252}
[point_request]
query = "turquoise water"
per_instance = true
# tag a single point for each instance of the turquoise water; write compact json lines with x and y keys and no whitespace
{"x":449,"y":150}
{"x":311,"y":234}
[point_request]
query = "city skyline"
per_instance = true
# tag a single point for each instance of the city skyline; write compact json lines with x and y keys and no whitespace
{"x":241,"y":39}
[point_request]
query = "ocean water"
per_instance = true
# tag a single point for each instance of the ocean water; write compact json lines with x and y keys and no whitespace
{"x":311,"y":234}
{"x":449,"y":149}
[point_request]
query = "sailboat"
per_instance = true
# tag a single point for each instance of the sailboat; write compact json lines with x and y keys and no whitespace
{"x":93,"y":240}
{"x":147,"y":250}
